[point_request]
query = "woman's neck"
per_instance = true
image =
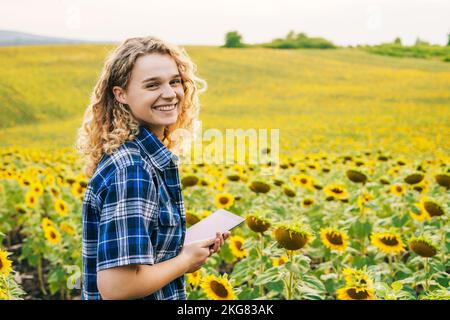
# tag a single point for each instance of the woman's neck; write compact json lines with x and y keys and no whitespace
{"x":158,"y":131}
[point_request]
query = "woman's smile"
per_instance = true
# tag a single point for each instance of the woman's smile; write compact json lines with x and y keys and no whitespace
{"x":166,"y":108}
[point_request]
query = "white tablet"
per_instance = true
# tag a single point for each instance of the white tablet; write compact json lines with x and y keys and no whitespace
{"x":219,"y":221}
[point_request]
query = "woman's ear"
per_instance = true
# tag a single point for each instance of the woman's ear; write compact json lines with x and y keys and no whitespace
{"x":119,"y":94}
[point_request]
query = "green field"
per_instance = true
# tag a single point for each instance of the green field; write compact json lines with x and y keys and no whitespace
{"x":334,"y":99}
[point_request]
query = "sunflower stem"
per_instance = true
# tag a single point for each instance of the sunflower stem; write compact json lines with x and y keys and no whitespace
{"x":443,"y":240}
{"x":261,"y":265}
{"x":290,"y":277}
{"x":426,"y":268}
{"x":40,"y":276}
{"x":62,"y":292}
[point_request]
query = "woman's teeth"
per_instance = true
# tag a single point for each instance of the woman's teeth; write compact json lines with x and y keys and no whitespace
{"x":166,"y":108}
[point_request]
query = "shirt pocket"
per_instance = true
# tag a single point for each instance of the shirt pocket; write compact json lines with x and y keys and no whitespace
{"x":169,"y":226}
{"x":168,"y":215}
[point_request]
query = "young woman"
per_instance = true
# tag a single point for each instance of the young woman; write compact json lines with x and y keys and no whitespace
{"x":133,"y":211}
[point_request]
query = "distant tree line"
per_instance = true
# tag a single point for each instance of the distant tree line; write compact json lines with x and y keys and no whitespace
{"x":420,"y":49}
{"x":292,"y":41}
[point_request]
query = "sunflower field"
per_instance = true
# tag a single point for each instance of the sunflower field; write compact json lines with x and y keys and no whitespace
{"x":356,"y":208}
{"x":366,"y":226}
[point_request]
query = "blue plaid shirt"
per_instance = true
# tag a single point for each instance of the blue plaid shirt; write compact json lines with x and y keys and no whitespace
{"x":133,"y":213}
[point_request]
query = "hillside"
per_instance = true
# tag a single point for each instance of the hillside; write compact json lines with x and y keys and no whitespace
{"x":345,"y":94}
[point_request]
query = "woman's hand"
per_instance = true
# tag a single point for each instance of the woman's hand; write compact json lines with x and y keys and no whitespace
{"x":196,"y":253}
{"x":195,"y":250}
{"x":220,"y":239}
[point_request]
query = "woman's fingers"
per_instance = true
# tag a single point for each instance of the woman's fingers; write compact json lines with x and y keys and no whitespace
{"x":219,"y":241}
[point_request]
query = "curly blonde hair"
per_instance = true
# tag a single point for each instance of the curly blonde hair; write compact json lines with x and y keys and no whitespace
{"x":107,"y":124}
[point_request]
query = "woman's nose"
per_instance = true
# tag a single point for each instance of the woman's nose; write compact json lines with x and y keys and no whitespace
{"x":168,"y":92}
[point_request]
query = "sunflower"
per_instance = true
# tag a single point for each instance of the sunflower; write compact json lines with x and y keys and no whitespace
{"x":194,"y":278}
{"x":49,"y":180}
{"x":421,"y":187}
{"x":387,"y":242}
{"x":356,"y":176}
{"x":414,"y":178}
{"x":355,"y":293}
{"x":291,"y":237}
{"x":307,"y":202}
{"x":77,"y":190}
{"x":24,"y":181}
{"x":236,"y":246}
{"x":279,"y":261}
{"x":52,"y":235}
{"x":192,"y":217}
{"x":259,"y":187}
{"x":289,"y":192}
{"x":5,"y":263}
{"x":336,"y":191}
{"x":224,"y":200}
{"x":67,"y":228}
{"x":55,"y":192}
{"x":302,"y":180}
{"x":364,"y":198}
{"x":233,"y":177}
{"x":37,"y":188}
{"x":257,"y":223}
{"x":70,"y":180}
{"x":31,"y":199}
{"x":397,"y":189}
{"x":189,"y":181}
{"x":20,"y":209}
{"x":423,"y":247}
{"x":393,"y":171}
{"x":354,"y":277}
{"x":418,"y":214}
{"x":218,"y":287}
{"x":61,"y":207}
{"x":432,"y":208}
{"x":334,"y":239}
{"x":47,"y":223}
{"x":219,"y":185}
{"x":443,"y":180}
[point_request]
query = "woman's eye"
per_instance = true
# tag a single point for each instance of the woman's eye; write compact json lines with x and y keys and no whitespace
{"x":176,"y":81}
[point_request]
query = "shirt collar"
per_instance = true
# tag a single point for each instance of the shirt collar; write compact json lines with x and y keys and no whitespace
{"x":158,"y":153}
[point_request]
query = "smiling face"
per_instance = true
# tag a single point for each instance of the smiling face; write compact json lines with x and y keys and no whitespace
{"x":154,"y":92}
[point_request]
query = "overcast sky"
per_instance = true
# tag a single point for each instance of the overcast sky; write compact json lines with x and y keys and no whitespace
{"x":206,"y":21}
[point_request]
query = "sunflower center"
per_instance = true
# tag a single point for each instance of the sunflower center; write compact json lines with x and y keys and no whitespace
{"x":336,"y":190}
{"x":52,"y":235}
{"x":219,"y":289}
{"x":335,"y":238}
{"x":238,"y":244}
{"x":389,"y":241}
{"x":223,"y":200}
{"x":1,"y":263}
{"x":357,"y":295}
{"x":307,"y":202}
{"x":433,"y":209}
{"x":303,"y":180}
{"x":61,"y":206}
{"x":398,"y":188}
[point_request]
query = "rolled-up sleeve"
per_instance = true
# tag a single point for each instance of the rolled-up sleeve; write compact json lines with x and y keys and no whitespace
{"x":129,"y":210}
